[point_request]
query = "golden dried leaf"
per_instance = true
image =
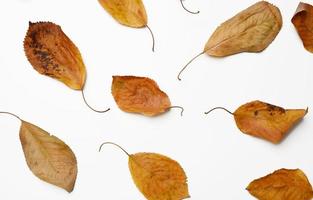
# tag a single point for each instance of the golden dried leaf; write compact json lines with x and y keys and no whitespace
{"x":251,"y":30}
{"x":130,"y":13}
{"x":52,"y":53}
{"x":303,"y":22}
{"x":49,"y":158}
{"x":283,"y":184}
{"x":158,"y":177}
{"x":267,"y":121}
{"x":139,"y":95}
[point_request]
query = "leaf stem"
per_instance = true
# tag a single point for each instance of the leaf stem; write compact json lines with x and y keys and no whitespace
{"x":114,"y":144}
{"x":192,"y":12}
{"x":152,"y":35}
{"x":14,"y":115}
{"x":98,"y":111}
{"x":182,"y":109}
{"x":183,"y":69}
{"x":221,"y":108}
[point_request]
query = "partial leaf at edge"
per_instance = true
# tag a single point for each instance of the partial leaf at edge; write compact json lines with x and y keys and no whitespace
{"x":303,"y":22}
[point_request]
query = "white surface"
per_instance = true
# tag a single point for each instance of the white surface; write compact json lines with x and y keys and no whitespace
{"x":218,"y":159}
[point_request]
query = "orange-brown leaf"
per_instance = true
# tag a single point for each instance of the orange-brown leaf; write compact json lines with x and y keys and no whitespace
{"x":251,"y":30}
{"x":49,"y":158}
{"x":283,"y":184}
{"x":130,"y":13}
{"x":158,"y":177}
{"x":139,"y":95}
{"x":52,"y":53}
{"x":267,"y":121}
{"x":303,"y":22}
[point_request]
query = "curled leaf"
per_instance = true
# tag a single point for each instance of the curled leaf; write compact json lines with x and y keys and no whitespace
{"x":156,"y":176}
{"x":303,"y":22}
{"x":49,"y":158}
{"x":283,"y":184}
{"x":251,"y":30}
{"x":266,"y":121}
{"x":52,"y":53}
{"x":139,"y":95}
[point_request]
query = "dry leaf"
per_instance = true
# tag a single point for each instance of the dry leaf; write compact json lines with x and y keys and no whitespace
{"x":49,"y":158}
{"x":303,"y":22}
{"x":156,"y":176}
{"x":52,"y":53}
{"x":139,"y":95}
{"x":283,"y":184}
{"x":251,"y":30}
{"x":266,"y":121}
{"x":130,"y":13}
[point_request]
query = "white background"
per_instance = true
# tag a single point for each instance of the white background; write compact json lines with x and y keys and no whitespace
{"x":218,"y":159}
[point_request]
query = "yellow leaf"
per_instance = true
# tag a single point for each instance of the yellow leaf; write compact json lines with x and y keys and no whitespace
{"x":52,"y":53}
{"x":283,"y":184}
{"x":49,"y":158}
{"x":130,"y":13}
{"x":139,"y":95}
{"x":156,"y":176}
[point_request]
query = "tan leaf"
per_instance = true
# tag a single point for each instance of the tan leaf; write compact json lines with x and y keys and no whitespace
{"x":158,"y":177}
{"x":139,"y":95}
{"x":130,"y":13}
{"x":303,"y":22}
{"x":266,"y":121}
{"x":52,"y":53}
{"x":283,"y":184}
{"x":251,"y":30}
{"x":49,"y":158}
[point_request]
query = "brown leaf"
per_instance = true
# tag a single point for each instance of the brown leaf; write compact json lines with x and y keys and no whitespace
{"x":158,"y":177}
{"x":264,"y":120}
{"x":283,"y":184}
{"x":139,"y":95}
{"x":49,"y":158}
{"x":130,"y":13}
{"x":251,"y":30}
{"x":267,"y":121}
{"x":303,"y":22}
{"x":52,"y":53}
